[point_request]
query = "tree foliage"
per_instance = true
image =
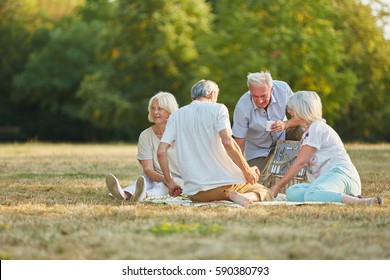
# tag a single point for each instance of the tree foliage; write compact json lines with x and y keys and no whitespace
{"x":88,"y":73}
{"x":15,"y":45}
{"x":155,"y":47}
{"x":294,"y":40}
{"x":369,"y":58}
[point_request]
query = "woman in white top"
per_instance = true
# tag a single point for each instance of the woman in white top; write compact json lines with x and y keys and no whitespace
{"x":331,"y":174}
{"x":150,"y":184}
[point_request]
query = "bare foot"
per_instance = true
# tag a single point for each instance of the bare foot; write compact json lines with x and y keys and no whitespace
{"x":376,"y":201}
{"x":240,"y":199}
{"x":370,"y":201}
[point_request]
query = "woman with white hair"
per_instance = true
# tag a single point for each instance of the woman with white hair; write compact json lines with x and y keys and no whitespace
{"x":331,"y":174}
{"x":150,"y":184}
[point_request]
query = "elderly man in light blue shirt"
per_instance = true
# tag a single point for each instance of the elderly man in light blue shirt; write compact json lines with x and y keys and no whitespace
{"x":265,"y":101}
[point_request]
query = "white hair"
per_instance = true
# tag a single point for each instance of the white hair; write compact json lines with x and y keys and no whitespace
{"x":306,"y":105}
{"x":259,"y":79}
{"x":203,"y":88}
{"x":165,"y":100}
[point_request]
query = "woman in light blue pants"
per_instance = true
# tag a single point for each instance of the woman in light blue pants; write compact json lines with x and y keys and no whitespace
{"x":331,"y":174}
{"x":328,"y":187}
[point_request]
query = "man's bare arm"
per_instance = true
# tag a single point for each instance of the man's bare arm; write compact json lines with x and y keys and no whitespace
{"x":162,"y":155}
{"x":234,"y":152}
{"x":241,"y":143}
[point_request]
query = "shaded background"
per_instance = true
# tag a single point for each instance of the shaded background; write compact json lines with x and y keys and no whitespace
{"x":84,"y":70}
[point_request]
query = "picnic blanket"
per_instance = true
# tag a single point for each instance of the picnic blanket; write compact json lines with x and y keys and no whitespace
{"x":185,"y":201}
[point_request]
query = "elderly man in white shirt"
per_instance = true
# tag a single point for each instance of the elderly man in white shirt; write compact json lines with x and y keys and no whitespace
{"x":210,"y":161}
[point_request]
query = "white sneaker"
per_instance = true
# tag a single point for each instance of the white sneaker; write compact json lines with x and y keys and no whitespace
{"x":140,"y":191}
{"x":114,"y":187}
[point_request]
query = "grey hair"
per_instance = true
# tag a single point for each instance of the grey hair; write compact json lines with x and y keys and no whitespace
{"x":165,"y":100}
{"x":306,"y":105}
{"x":259,"y":79}
{"x":203,"y":88}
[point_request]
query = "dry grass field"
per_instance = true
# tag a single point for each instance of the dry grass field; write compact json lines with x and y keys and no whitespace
{"x":54,"y":205}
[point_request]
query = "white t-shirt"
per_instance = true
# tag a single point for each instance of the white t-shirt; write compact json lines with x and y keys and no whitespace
{"x":330,"y":152}
{"x":147,"y":150}
{"x":203,"y":161}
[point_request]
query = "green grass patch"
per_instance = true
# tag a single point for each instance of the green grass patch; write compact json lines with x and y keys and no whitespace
{"x":167,"y":228}
{"x":54,"y":205}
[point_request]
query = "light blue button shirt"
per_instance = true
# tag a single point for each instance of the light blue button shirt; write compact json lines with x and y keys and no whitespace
{"x":249,"y":121}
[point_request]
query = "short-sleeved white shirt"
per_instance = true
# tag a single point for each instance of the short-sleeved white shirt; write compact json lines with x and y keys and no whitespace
{"x":330,"y":152}
{"x":203,"y":161}
{"x":147,"y":150}
{"x":249,"y":121}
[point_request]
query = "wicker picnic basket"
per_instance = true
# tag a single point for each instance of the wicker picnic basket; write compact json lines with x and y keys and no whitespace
{"x":284,"y":154}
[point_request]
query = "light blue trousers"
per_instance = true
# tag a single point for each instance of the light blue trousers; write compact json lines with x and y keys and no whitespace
{"x":329,"y":187}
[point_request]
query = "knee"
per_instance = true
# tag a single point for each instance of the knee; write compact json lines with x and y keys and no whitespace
{"x":312,"y":195}
{"x":293,"y":193}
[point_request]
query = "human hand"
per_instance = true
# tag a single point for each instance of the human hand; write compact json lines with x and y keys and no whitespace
{"x":275,"y":190}
{"x":174,"y":188}
{"x":278,"y":126}
{"x":257,"y":171}
{"x":176,"y":191}
{"x":251,"y":176}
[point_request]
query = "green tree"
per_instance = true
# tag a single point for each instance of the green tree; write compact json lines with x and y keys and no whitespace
{"x":368,"y":57}
{"x":295,"y":40}
{"x":159,"y":46}
{"x":155,"y":46}
{"x":15,"y":46}
{"x":94,"y":71}
{"x":24,"y":38}
{"x":53,"y":74}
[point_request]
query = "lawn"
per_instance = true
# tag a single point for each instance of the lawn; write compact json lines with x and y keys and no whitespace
{"x":54,"y":205}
